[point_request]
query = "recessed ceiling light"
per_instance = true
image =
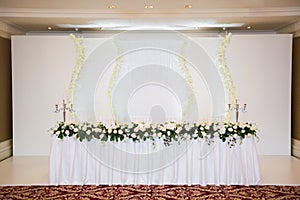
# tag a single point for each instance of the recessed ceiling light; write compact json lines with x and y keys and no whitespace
{"x":76,"y":29}
{"x":49,"y":28}
{"x":249,"y":27}
{"x":188,"y":6}
{"x":224,"y":28}
{"x":111,"y":6}
{"x":148,"y":6}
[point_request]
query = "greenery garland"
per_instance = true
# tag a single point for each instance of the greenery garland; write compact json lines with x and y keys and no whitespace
{"x":169,"y":132}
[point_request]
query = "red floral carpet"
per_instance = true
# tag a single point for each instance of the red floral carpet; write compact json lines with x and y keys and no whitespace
{"x":153,"y":192}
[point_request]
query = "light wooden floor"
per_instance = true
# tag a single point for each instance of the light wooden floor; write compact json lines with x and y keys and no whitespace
{"x":33,"y":170}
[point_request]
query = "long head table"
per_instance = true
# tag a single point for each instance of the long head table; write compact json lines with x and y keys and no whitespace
{"x":190,"y":162}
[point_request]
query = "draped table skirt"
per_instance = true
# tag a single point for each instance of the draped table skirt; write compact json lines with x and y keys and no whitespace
{"x":188,"y":163}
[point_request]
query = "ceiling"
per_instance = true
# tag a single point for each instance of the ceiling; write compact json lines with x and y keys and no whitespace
{"x":192,"y":15}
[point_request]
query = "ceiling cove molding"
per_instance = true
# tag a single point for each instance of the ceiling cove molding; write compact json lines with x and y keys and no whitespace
{"x":6,"y":30}
{"x":293,"y":28}
{"x":105,"y":13}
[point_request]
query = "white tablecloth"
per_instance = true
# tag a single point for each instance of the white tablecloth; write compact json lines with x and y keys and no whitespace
{"x":190,"y":162}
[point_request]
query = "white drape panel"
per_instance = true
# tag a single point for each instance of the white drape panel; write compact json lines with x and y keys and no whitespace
{"x":191,"y":162}
{"x":152,"y":76}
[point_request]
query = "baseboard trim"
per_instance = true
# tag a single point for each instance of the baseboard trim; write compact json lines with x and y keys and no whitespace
{"x":296,"y":148}
{"x":5,"y":149}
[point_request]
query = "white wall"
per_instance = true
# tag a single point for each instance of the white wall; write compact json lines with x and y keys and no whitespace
{"x":42,"y":66}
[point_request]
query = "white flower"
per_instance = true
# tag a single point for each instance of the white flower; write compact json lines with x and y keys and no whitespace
{"x":206,"y":127}
{"x":159,"y":134}
{"x":120,"y":131}
{"x":201,"y":128}
{"x":195,"y":135}
{"x":168,"y":133}
{"x":235,"y":127}
{"x":75,"y":129}
{"x":230,"y":129}
{"x":84,"y":128}
{"x":133,"y":135}
{"x":136,"y":129}
{"x":196,"y":131}
{"x":185,"y":135}
{"x":204,"y":134}
{"x":235,"y":135}
{"x":67,"y":132}
{"x":88,"y":132}
{"x":109,"y":131}
{"x":115,"y":131}
{"x":130,"y":126}
{"x":243,"y":131}
{"x":58,"y":132}
{"x":146,"y":134}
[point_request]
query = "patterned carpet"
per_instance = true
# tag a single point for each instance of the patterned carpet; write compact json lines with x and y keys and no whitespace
{"x":153,"y":192}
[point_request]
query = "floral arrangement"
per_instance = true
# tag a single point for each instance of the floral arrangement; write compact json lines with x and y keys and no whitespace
{"x":169,"y":132}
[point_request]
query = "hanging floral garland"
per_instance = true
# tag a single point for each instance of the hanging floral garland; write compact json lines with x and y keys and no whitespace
{"x":225,"y":73}
{"x":187,"y":77}
{"x":80,"y":55}
{"x":112,"y":80}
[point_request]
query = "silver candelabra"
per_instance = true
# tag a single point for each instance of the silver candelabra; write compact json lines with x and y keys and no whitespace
{"x":237,"y":108}
{"x":64,"y":108}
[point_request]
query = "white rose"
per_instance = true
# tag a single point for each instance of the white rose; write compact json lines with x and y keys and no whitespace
{"x":230,"y":129}
{"x":130,"y":125}
{"x":168,"y":133}
{"x":201,"y":128}
{"x":206,"y":127}
{"x":243,"y":131}
{"x":235,"y":126}
{"x":88,"y":132}
{"x":109,"y":131}
{"x":67,"y":132}
{"x":115,"y":131}
{"x":120,"y":131}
